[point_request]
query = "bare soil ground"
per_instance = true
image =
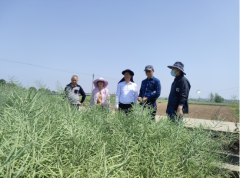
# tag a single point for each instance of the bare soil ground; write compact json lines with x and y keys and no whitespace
{"x":208,"y":112}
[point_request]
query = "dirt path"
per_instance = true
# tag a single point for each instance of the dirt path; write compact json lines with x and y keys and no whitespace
{"x":204,"y":112}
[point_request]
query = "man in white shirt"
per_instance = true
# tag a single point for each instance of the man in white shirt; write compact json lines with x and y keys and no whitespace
{"x":127,"y":93}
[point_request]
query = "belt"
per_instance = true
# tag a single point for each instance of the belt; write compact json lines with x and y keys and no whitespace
{"x":127,"y":104}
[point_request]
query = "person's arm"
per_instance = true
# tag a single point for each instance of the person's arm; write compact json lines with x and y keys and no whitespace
{"x":168,"y":96}
{"x":135,"y":94}
{"x":83,"y":94}
{"x":108,"y":98}
{"x":183,"y":96}
{"x":65,"y":93}
{"x":157,"y":93}
{"x":117,"y":97}
{"x":183,"y":92}
{"x":92,"y":99}
{"x":141,"y":91}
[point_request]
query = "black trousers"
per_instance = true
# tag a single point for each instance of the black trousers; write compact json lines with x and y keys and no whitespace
{"x":152,"y":106}
{"x":125,"y":107}
{"x":76,"y":105}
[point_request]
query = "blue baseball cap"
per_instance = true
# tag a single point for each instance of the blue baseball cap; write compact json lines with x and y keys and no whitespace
{"x":149,"y":67}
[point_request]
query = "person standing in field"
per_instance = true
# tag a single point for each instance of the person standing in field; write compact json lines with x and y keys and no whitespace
{"x":73,"y":91}
{"x":127,"y":93}
{"x":178,"y":97}
{"x":150,"y":91}
{"x":100,"y":95}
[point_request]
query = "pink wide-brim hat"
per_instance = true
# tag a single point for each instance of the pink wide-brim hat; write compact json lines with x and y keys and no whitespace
{"x":100,"y":80}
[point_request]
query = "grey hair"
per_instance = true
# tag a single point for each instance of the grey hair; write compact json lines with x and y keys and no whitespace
{"x":74,"y":76}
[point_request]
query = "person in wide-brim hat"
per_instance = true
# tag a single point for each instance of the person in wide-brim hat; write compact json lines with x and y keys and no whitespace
{"x":126,"y":96}
{"x":105,"y":82}
{"x":178,"y":96}
{"x":178,"y":65}
{"x":130,"y":72}
{"x":100,"y":94}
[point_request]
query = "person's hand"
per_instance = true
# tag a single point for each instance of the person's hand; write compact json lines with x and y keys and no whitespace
{"x":79,"y":103}
{"x":140,"y":99}
{"x":179,"y":111}
{"x":145,"y":99}
{"x":116,"y":109}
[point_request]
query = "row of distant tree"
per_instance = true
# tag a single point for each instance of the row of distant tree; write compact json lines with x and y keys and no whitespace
{"x":216,"y":98}
{"x":213,"y":98}
{"x":46,"y":90}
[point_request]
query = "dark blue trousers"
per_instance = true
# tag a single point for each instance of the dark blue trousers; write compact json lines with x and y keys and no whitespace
{"x":76,"y":105}
{"x":151,"y":105}
{"x":172,"y":114}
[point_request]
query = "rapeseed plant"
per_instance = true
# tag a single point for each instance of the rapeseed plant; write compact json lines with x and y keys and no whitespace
{"x":47,"y":137}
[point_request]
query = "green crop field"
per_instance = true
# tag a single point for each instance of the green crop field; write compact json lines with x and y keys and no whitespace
{"x":43,"y":136}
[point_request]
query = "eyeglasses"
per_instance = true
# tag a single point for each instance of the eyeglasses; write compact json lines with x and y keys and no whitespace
{"x":148,"y":71}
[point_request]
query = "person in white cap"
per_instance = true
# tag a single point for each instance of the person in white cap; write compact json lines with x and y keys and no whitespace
{"x":100,"y":95}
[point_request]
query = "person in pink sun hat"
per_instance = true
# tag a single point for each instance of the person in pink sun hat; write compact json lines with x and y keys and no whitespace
{"x":100,"y":95}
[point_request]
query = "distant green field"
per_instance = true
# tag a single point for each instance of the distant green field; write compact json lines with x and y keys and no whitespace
{"x":209,"y":103}
{"x":199,"y":102}
{"x":112,"y":101}
{"x":162,"y":100}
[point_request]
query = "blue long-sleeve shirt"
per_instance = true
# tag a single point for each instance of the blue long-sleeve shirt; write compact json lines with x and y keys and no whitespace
{"x":151,"y":89}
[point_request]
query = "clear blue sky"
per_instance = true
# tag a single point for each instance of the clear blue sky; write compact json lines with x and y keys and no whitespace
{"x":105,"y":37}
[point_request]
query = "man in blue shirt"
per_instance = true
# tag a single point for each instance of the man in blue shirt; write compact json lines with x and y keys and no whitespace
{"x":150,"y":90}
{"x":178,"y":97}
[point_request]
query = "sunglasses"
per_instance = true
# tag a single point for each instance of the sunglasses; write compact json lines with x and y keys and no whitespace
{"x":148,"y":71}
